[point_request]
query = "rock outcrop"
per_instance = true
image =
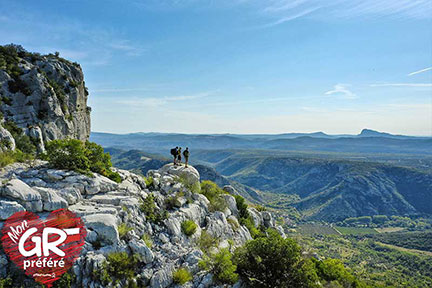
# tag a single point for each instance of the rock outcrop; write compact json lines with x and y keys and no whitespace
{"x":105,"y":205}
{"x":44,"y":95}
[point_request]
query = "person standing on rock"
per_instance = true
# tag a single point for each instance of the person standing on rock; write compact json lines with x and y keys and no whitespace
{"x":174,"y":152}
{"x":186,"y":156}
{"x":179,"y":156}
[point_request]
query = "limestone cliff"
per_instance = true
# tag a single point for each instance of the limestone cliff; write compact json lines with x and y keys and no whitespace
{"x":45,"y":95}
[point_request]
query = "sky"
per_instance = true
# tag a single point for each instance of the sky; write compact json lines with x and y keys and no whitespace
{"x":240,"y":66}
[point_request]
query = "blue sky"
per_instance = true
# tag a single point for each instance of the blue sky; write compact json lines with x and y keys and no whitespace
{"x":241,"y":66}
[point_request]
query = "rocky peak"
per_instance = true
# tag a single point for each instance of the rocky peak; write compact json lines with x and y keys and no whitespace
{"x":44,"y":95}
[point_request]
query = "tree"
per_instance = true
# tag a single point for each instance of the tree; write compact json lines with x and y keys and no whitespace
{"x":273,"y":261}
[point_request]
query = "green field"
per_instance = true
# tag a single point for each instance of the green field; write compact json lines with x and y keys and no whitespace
{"x":311,"y":229}
{"x":356,"y":230}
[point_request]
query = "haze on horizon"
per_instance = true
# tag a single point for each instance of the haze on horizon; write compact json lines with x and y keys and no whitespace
{"x":241,"y":66}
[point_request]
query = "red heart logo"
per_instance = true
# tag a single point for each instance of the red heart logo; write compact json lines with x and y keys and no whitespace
{"x":43,"y":249}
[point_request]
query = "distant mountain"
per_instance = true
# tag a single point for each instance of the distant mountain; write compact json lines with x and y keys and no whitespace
{"x":335,"y":189}
{"x":368,"y":141}
{"x":373,"y":133}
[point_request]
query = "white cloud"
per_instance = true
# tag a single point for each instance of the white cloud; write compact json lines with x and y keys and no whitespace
{"x":342,"y":91}
{"x":420,"y":71}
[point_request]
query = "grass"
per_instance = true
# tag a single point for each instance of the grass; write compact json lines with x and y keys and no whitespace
{"x":189,"y":227}
{"x":147,"y":240}
{"x":182,"y":276}
{"x":123,"y":229}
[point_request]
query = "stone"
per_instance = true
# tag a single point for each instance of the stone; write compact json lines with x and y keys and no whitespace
{"x":139,"y":247}
{"x":173,"y":225}
{"x":162,"y":278}
{"x":104,"y":225}
{"x":24,"y":194}
{"x":72,"y":195}
{"x":231,"y":203}
{"x":230,"y":189}
{"x":51,"y":201}
{"x":189,"y":174}
{"x":180,"y":201}
{"x":8,"y":208}
{"x":100,"y":184}
{"x":6,"y":137}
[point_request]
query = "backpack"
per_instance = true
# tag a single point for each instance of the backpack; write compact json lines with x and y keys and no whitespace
{"x":174,"y":151}
{"x":186,"y":153}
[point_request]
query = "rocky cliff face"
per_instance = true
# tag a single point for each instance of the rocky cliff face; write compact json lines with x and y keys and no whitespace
{"x":44,"y":95}
{"x":106,"y":206}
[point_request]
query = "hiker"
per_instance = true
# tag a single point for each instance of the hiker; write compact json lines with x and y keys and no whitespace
{"x":179,"y":156}
{"x":174,"y":152}
{"x":186,"y":156}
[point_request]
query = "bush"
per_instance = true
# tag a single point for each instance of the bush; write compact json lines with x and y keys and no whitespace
{"x":181,"y":276}
{"x":68,"y":154}
{"x":249,"y":224}
{"x":147,"y":240}
{"x":214,"y":195}
{"x":72,"y":154}
{"x":189,"y":227}
{"x":273,"y":261}
{"x":22,"y":142}
{"x":152,"y":213}
{"x":221,"y":266}
{"x":149,"y":182}
{"x":207,"y":241}
{"x":119,"y":266}
{"x":9,"y":157}
{"x":242,"y":206}
{"x":333,"y":271}
{"x":123,"y":229}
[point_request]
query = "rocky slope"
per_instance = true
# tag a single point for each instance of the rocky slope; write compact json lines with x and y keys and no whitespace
{"x":105,"y":206}
{"x":44,"y":95}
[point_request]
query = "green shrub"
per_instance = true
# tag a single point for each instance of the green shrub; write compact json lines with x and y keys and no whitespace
{"x":68,"y":154}
{"x":221,"y":266}
{"x":249,"y":224}
{"x":6,"y":283}
{"x":273,"y":261}
{"x":242,"y":206}
{"x":9,"y":157}
{"x":260,"y":208}
{"x":207,"y":241}
{"x":214,"y":195}
{"x":72,"y":154}
{"x":147,"y":240}
{"x":22,"y":142}
{"x":181,"y":276}
{"x":333,"y":271}
{"x":119,"y":266}
{"x":65,"y":281}
{"x":123,"y":229}
{"x":189,"y":227}
{"x":152,"y":213}
{"x":149,"y":181}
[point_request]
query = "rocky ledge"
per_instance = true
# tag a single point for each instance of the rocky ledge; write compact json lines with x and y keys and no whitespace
{"x":106,"y":206}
